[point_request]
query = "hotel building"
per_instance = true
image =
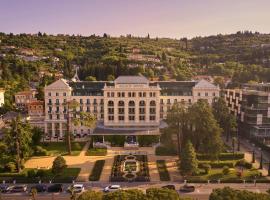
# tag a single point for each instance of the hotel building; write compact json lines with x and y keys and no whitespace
{"x":129,"y":105}
{"x":251,"y":105}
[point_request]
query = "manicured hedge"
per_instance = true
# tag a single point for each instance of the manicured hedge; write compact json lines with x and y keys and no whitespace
{"x":97,"y":170}
{"x":165,"y":151}
{"x":162,"y":170}
{"x":222,"y":156}
{"x":116,"y":140}
{"x":96,"y":152}
{"x":216,"y":164}
{"x":147,"y":140}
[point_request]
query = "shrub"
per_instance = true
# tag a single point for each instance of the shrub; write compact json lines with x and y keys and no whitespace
{"x":243,"y":163}
{"x":216,"y":164}
{"x":32,"y":173}
{"x":226,"y":170}
{"x":59,"y":164}
{"x":147,"y":140}
{"x":96,"y":152}
{"x":10,"y":167}
{"x":76,"y":146}
{"x":222,"y":156}
{"x":96,"y":171}
{"x":40,"y":151}
{"x":41,"y":173}
{"x":116,"y":140}
{"x":206,"y":167}
{"x":162,"y":170}
{"x":165,"y":151}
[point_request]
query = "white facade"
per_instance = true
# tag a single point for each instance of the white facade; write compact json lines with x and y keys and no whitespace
{"x":2,"y":98}
{"x":128,"y":103}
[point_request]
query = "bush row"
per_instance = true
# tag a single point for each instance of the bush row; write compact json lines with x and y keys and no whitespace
{"x":165,"y":151}
{"x":162,"y":170}
{"x":222,"y":156}
{"x":216,"y":164}
{"x":97,"y":170}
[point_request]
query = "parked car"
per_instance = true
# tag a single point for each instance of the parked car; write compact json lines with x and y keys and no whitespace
{"x":171,"y":187}
{"x":39,"y":188}
{"x":55,"y":188}
{"x":17,"y":188}
{"x":112,"y":188}
{"x":76,"y":188}
{"x":4,"y":188}
{"x":187,"y":188}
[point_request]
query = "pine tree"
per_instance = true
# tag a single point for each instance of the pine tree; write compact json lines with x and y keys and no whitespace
{"x":189,"y":162}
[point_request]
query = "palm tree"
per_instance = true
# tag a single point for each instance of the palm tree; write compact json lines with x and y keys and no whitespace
{"x":33,"y":193}
{"x":86,"y":119}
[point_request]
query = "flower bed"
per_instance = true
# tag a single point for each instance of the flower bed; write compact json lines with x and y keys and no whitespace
{"x":162,"y":170}
{"x":97,"y":170}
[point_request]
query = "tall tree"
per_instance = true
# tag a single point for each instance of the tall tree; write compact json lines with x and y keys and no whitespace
{"x":177,"y":120}
{"x":189,"y":162}
{"x":204,"y":131}
{"x":222,"y":114}
{"x":18,"y":139}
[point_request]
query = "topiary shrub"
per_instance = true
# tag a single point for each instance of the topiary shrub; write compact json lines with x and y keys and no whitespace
{"x":40,"y":151}
{"x":10,"y":167}
{"x":206,"y":168}
{"x":59,"y":164}
{"x":243,"y":163}
{"x":226,"y":170}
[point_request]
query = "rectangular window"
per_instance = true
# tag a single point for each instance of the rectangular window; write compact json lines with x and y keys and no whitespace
{"x":108,"y":94}
{"x":49,"y":94}
{"x":111,"y":117}
{"x":121,"y":118}
{"x":81,"y":101}
{"x":206,"y":94}
{"x":131,"y":118}
{"x":121,"y":110}
{"x":152,"y":118}
{"x":64,"y":94}
{"x":142,"y":118}
{"x":57,"y":94}
{"x":199,"y":94}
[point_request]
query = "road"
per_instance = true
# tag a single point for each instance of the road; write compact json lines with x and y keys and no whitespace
{"x":202,"y":191}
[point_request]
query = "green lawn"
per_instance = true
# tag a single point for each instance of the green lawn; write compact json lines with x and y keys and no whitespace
{"x":96,"y":152}
{"x":60,"y":148}
{"x":66,"y":176}
{"x":216,"y":174}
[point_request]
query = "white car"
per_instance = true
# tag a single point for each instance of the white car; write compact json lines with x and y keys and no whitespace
{"x":76,"y":188}
{"x":112,"y":188}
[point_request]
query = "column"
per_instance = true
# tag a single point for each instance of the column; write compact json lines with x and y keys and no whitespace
{"x":60,"y":130}
{"x":53,"y":130}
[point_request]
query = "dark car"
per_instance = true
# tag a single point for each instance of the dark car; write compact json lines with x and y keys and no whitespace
{"x":4,"y":188}
{"x":55,"y":188}
{"x":17,"y":188}
{"x":39,"y":188}
{"x":171,"y":187}
{"x":187,"y":188}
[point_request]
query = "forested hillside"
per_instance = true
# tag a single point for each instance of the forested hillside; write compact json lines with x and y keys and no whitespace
{"x":38,"y":59}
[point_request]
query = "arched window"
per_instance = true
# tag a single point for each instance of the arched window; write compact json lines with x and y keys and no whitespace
{"x":110,"y":103}
{"x":131,"y":103}
{"x":152,"y":103}
{"x":142,"y":103}
{"x":121,"y":103}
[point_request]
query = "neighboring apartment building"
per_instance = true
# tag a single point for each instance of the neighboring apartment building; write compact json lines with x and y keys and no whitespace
{"x":23,"y":98}
{"x":251,"y":105}
{"x":36,"y":113}
{"x":130,"y":105}
{"x":2,"y":97}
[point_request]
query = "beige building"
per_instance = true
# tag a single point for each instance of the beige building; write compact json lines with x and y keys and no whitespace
{"x":2,"y":97}
{"x":130,"y":105}
{"x":23,"y":98}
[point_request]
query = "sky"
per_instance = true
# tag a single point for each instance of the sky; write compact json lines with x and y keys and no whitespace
{"x":159,"y":18}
